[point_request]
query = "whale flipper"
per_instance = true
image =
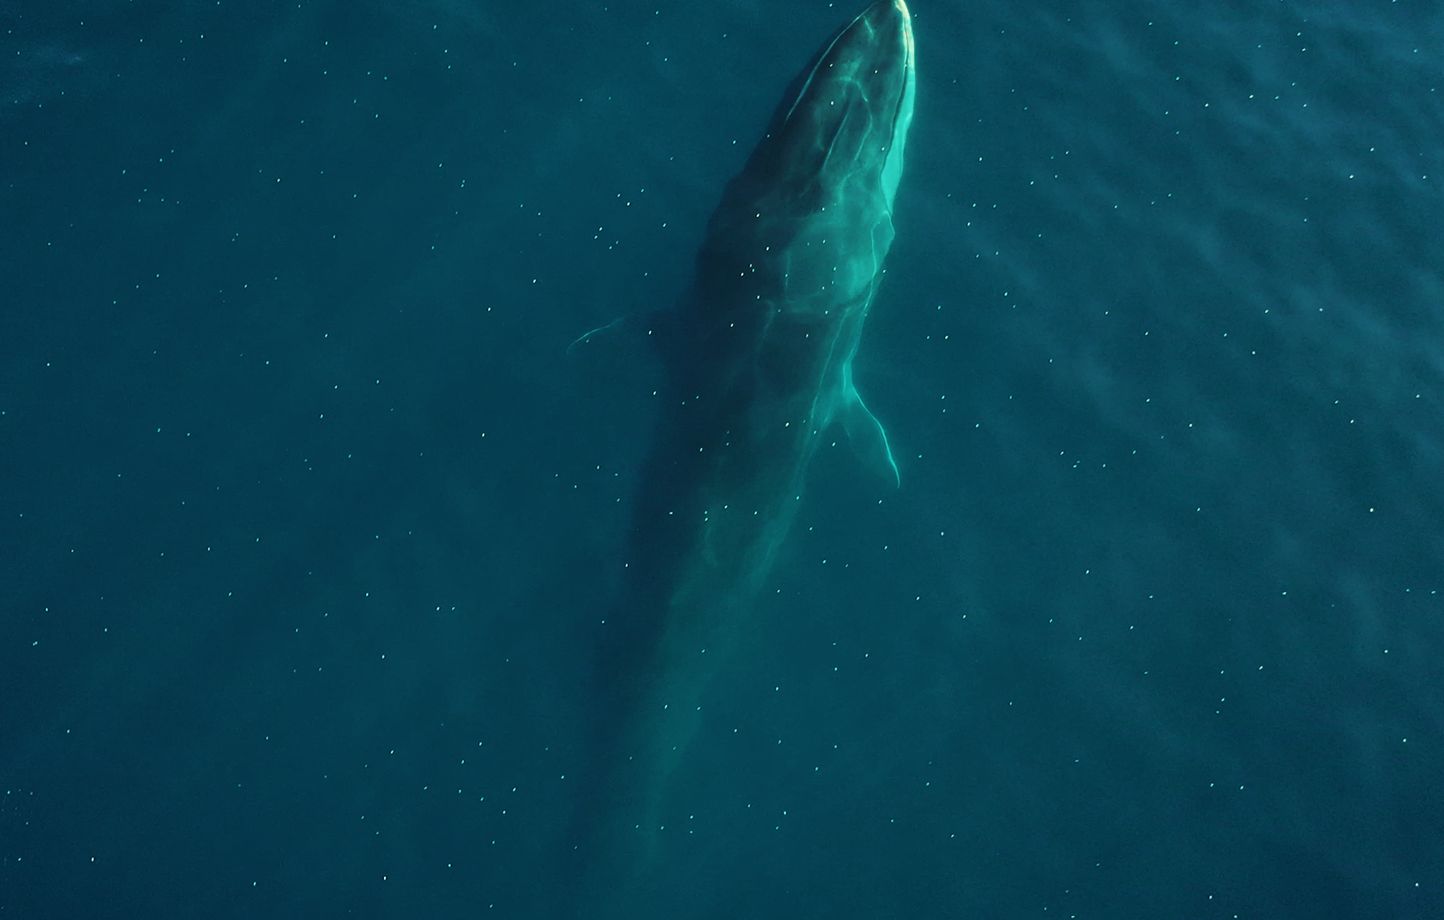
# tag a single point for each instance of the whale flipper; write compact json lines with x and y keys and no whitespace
{"x":867,"y":436}
{"x":587,"y":336}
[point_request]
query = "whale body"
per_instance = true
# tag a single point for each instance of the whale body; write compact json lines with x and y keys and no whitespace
{"x":758,"y":354}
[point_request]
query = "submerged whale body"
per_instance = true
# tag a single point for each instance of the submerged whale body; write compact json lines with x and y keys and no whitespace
{"x":759,"y":356}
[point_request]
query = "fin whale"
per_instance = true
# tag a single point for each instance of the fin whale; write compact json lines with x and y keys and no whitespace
{"x":759,"y":354}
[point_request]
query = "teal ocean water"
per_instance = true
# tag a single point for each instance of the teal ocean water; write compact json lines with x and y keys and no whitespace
{"x":305,"y":511}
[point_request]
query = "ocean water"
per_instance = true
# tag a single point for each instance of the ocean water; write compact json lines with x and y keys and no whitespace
{"x":304,"y":506}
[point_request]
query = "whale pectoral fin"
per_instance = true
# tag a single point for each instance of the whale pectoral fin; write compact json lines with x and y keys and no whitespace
{"x":653,"y":324}
{"x":867,"y":437}
{"x":586,"y":337}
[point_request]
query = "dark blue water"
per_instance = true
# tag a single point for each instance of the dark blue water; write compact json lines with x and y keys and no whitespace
{"x":303,"y":506}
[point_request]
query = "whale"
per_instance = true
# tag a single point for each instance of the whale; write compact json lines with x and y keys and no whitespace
{"x":758,"y":358}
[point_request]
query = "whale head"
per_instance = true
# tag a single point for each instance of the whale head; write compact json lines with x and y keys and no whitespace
{"x":806,"y":224}
{"x":848,"y":116}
